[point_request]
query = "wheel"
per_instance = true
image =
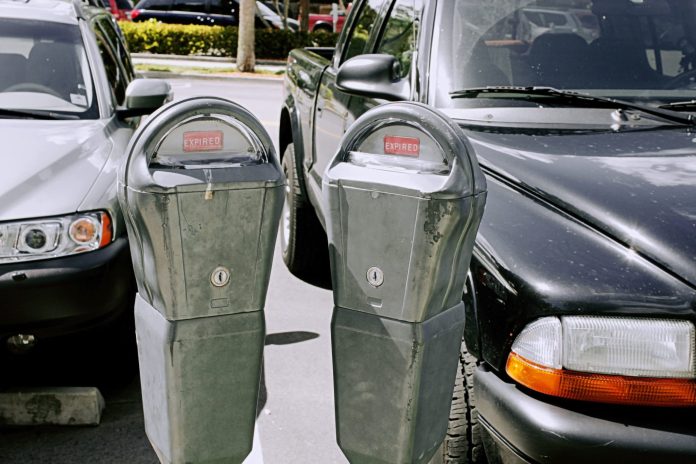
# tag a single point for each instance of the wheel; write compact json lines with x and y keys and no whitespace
{"x":303,"y":241}
{"x":323,"y":28}
{"x":463,"y":442}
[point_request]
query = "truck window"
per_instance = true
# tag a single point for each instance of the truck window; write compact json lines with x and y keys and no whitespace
{"x":193,"y":6}
{"x":400,"y":33}
{"x":640,"y":50}
{"x":365,"y":22}
{"x":222,"y":7}
{"x":159,"y":5}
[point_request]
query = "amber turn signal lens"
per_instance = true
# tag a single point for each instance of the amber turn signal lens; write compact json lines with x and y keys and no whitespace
{"x":107,"y":230}
{"x":602,"y":388}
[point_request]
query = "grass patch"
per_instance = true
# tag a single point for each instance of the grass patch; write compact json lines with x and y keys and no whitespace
{"x":231,"y":70}
{"x":152,"y":67}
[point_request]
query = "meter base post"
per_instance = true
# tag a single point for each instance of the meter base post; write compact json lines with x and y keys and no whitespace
{"x":393,"y":383}
{"x":200,"y":381}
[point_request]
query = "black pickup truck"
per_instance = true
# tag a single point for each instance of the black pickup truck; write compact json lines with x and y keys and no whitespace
{"x":579,"y":343}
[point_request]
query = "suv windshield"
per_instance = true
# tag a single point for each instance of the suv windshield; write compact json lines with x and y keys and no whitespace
{"x":638,"y":50}
{"x":43,"y":68}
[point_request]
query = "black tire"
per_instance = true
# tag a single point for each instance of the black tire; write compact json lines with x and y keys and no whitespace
{"x":303,"y":240}
{"x":323,"y":28}
{"x":463,"y":442}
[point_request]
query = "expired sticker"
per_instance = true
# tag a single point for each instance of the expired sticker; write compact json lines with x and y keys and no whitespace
{"x":401,"y":146}
{"x":203,"y":141}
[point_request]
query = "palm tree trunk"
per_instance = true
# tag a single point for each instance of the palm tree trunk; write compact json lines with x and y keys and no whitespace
{"x":304,"y":15}
{"x":246,"y":60}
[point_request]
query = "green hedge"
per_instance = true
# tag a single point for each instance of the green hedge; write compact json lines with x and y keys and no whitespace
{"x":177,"y":39}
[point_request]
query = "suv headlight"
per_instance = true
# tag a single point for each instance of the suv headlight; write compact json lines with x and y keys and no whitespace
{"x":608,"y":359}
{"x":54,"y":237}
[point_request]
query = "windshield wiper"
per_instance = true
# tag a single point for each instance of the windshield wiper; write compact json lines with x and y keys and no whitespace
{"x":680,"y":106}
{"x":572,"y":99}
{"x":35,"y":114}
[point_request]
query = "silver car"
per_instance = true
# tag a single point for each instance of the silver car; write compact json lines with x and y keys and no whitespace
{"x":69,"y":103}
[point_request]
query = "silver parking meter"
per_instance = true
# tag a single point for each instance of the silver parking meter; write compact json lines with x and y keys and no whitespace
{"x":404,"y":196}
{"x":201,"y":190}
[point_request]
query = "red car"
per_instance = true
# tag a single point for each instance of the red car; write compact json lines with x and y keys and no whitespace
{"x":324,"y":22}
{"x":120,"y":9}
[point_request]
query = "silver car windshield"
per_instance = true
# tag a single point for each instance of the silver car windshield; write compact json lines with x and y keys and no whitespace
{"x":638,"y":50}
{"x":43,"y":67}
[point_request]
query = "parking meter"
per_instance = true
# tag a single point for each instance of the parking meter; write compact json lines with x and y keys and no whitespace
{"x":404,"y":196}
{"x":201,"y":190}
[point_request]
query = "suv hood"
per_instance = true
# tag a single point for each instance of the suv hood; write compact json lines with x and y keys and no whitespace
{"x":637,"y":187}
{"x":48,"y":166}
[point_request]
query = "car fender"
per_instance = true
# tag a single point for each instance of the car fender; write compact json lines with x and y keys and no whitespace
{"x":103,"y":193}
{"x":532,"y":260}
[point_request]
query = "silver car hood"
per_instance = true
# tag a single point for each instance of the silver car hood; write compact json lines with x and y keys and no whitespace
{"x":48,"y":167}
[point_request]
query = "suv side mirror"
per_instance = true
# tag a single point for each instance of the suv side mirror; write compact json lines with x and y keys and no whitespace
{"x":373,"y":75}
{"x":143,"y":96}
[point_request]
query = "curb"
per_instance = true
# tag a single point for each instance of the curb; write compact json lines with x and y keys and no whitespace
{"x":51,"y":406}
{"x":215,"y":77}
{"x":211,"y":59}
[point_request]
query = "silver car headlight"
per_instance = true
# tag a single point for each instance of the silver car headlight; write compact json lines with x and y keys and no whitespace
{"x":54,"y":237}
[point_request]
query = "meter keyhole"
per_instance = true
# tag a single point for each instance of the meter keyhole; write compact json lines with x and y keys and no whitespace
{"x":375,"y":276}
{"x":220,"y":276}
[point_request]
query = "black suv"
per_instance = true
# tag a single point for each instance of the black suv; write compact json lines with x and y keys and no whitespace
{"x":205,"y":12}
{"x":580,"y":332}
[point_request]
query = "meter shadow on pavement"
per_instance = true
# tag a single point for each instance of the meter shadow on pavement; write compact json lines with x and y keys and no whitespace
{"x":288,"y":338}
{"x":280,"y":338}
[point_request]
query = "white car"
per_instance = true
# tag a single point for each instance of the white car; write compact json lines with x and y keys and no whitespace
{"x":69,"y":103}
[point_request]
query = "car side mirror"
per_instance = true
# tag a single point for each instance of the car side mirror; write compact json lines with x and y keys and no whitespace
{"x":143,"y":96}
{"x":373,"y":75}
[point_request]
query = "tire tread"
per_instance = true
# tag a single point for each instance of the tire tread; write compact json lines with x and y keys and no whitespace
{"x":306,"y":256}
{"x":463,"y":444}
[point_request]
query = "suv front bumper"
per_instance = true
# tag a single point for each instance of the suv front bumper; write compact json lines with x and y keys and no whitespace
{"x":518,"y":427}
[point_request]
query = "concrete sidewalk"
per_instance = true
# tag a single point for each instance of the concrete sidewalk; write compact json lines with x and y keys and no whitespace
{"x":204,"y":67}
